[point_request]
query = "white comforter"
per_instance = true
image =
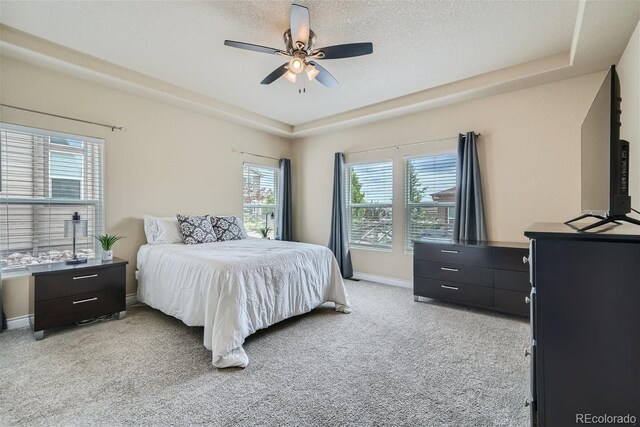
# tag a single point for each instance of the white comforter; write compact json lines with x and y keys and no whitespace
{"x":236,"y":287}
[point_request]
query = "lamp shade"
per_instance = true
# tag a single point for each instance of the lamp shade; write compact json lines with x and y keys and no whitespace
{"x":80,"y":226}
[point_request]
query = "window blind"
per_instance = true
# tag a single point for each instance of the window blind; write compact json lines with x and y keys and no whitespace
{"x":45,"y":177}
{"x":260,"y":199}
{"x":369,"y":197}
{"x":430,"y":197}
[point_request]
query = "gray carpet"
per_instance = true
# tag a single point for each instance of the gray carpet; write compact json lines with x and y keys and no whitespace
{"x":390,"y":362}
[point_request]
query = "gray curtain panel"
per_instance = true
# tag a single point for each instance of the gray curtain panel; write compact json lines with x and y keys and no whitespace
{"x":3,"y":318}
{"x":470,"y":224}
{"x":339,"y":238}
{"x":285,"y":224}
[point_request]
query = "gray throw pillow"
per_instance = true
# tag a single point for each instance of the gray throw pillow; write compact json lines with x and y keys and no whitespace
{"x":196,"y":229}
{"x":227,"y":228}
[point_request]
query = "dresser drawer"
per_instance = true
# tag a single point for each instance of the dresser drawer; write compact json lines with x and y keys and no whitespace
{"x":511,"y":280}
{"x":511,"y":302}
{"x":510,"y":259}
{"x":81,"y":281}
{"x":70,"y":309}
{"x":450,"y":291}
{"x":454,"y":273}
{"x":476,"y":256}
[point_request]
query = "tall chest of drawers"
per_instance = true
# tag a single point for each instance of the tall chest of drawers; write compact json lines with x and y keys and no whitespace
{"x":490,"y":275}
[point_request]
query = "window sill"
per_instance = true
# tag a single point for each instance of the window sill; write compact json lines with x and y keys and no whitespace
{"x":19,"y":272}
{"x":373,"y":249}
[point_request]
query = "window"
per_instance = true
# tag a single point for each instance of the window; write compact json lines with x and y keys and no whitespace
{"x":260,"y":199}
{"x":369,"y":197}
{"x":430,"y":197}
{"x":44,"y":178}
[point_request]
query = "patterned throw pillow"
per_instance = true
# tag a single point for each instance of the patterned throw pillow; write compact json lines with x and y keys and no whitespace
{"x":227,"y":228}
{"x":196,"y":229}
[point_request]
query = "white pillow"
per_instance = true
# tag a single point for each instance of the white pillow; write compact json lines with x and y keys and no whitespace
{"x":168,"y":230}
{"x":150,"y":228}
{"x":162,"y":230}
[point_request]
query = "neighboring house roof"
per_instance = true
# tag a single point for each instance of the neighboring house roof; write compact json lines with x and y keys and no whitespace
{"x":448,"y":195}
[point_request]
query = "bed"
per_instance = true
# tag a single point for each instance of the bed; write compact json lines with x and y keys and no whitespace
{"x":234,"y":288}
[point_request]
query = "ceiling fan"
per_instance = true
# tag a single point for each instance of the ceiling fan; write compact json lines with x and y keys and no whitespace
{"x":300,"y":42}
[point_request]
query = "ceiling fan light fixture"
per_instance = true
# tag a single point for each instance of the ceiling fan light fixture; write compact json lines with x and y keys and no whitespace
{"x":311,"y":71}
{"x":290,"y":76}
{"x":296,"y":65}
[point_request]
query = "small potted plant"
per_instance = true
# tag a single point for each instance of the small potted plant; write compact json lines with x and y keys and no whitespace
{"x":107,"y":242}
{"x":265,"y":232}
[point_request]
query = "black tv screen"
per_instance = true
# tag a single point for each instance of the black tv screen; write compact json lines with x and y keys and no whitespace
{"x":605,"y":158}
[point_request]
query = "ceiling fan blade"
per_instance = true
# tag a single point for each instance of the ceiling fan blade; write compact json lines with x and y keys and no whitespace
{"x":345,"y":50}
{"x":299,"y":24}
{"x":324,"y":76}
{"x":249,"y":46}
{"x":275,"y":74}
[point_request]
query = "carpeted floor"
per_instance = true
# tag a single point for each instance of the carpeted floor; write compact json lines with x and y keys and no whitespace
{"x":391,"y":362}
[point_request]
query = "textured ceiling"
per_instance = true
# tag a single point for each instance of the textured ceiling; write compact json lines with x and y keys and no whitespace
{"x":417,"y":44}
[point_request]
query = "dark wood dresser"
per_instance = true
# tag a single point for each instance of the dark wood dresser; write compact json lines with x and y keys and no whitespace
{"x":490,"y":275}
{"x":61,"y":294}
{"x":585,"y":325}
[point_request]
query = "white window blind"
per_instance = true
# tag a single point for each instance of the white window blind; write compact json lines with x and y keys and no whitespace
{"x":369,"y":197}
{"x":430,"y":197}
{"x":45,"y":177}
{"x":260,"y":199}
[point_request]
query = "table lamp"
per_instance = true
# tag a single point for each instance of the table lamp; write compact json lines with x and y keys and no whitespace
{"x":72,"y":228}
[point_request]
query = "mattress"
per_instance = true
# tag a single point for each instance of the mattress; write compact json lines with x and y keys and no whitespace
{"x":237,"y":287}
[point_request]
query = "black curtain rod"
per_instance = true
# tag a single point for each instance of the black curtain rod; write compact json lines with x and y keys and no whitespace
{"x":112,"y":127}
{"x":255,"y":155}
{"x":397,"y":147}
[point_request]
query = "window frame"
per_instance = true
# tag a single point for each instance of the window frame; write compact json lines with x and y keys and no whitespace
{"x":349,"y":205}
{"x":408,"y":241}
{"x":47,"y":201}
{"x":276,"y":184}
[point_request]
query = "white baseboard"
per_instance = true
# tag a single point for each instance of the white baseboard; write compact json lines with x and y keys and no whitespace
{"x":23,"y":321}
{"x":132,"y":299}
{"x":18,"y":322}
{"x":384,"y":280}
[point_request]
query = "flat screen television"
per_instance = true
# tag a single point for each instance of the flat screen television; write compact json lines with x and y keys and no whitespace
{"x":605,"y":158}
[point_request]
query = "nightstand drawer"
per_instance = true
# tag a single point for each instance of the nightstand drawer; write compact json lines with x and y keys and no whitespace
{"x":511,"y":259}
{"x":457,"y":292}
{"x":454,"y":273}
{"x":81,"y":281}
{"x":511,"y":280}
{"x":70,"y":309}
{"x":511,"y":302}
{"x":455,"y":254}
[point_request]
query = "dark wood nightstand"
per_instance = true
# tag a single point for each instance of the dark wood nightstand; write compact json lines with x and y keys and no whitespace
{"x":61,"y":294}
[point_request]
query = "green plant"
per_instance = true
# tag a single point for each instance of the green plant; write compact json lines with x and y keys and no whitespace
{"x":264,"y":232}
{"x":107,"y":240}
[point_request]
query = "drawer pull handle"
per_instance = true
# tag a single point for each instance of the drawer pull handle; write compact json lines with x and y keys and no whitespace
{"x":85,"y":277}
{"x":455,"y":270}
{"x":453,"y":288}
{"x":447,"y":251}
{"x":86,"y":300}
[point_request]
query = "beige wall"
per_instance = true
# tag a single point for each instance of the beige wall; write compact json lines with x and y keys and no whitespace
{"x":529,"y":153}
{"x":629,"y":72}
{"x":169,"y":160}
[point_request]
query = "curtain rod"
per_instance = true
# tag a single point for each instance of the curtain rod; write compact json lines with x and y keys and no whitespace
{"x":397,"y":147}
{"x":256,"y":155}
{"x":112,"y":127}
